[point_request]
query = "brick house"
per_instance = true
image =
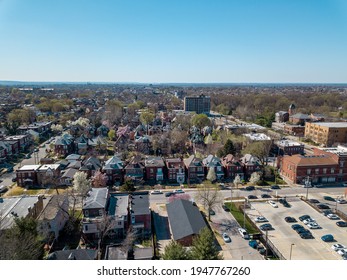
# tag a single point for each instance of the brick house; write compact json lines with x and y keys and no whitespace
{"x":140,"y":214}
{"x":63,"y":145}
{"x":185,"y":221}
{"x":175,"y":170}
{"x":48,"y":174}
{"x":91,"y":166}
{"x":154,"y":169}
{"x":94,"y":213}
{"x":135,"y":170}
{"x":118,"y":210}
{"x":27,"y":175}
{"x":215,"y":163}
{"x":232,"y":167}
{"x":114,"y":170}
{"x":250,"y":164}
{"x":194,"y":169}
{"x":23,"y":141}
{"x":287,"y":147}
{"x":319,"y":168}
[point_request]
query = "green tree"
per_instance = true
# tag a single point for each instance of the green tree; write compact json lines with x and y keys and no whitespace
{"x":129,"y":185}
{"x":175,"y":251}
{"x":146,"y":118}
{"x":209,"y":196}
{"x":21,"y":241}
{"x":204,"y":247}
{"x":200,"y":121}
{"x":111,"y":134}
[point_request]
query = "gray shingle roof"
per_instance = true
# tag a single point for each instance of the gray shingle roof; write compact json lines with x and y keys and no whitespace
{"x":97,"y":199}
{"x":185,"y":218}
{"x":79,"y":254}
{"x":140,"y":203}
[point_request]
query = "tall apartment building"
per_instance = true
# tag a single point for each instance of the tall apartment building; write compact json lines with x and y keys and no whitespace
{"x":199,"y":104}
{"x":327,"y":133}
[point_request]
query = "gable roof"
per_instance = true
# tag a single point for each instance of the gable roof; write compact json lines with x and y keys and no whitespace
{"x":211,"y":161}
{"x":91,"y":163}
{"x":185,"y":218}
{"x":192,"y":161}
{"x":79,"y":254}
{"x":248,"y":159}
{"x":97,"y":198}
{"x":154,"y":161}
{"x":114,"y":163}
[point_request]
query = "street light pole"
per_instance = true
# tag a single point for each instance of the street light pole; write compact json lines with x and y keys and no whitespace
{"x":291,"y":249}
{"x":307,"y":185}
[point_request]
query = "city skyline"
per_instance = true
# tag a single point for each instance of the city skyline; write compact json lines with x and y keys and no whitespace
{"x":178,"y":42}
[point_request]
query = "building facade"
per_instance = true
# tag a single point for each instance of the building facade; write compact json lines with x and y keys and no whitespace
{"x":199,"y":104}
{"x":327,"y":133}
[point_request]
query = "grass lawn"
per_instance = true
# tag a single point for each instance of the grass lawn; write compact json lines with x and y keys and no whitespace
{"x":238,"y":215}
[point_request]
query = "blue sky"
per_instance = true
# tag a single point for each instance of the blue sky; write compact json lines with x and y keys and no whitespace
{"x":153,"y":41}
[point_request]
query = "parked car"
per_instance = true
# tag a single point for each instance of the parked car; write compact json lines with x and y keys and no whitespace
{"x":328,"y":238}
{"x":273,"y":204}
{"x":341,"y":201}
{"x":326,"y":212}
{"x":225,"y":208}
{"x":211,"y":212}
{"x":323,"y":206}
{"x":265,"y":195}
{"x":313,"y":200}
{"x":304,"y":217}
{"x":313,"y":226}
{"x":341,"y":224}
{"x":252,"y":196}
{"x":338,"y":246}
{"x":250,"y":188}
{"x":14,"y":179}
{"x":329,"y":198}
{"x":302,"y":230}
{"x":243,"y":233}
{"x":342,"y":251}
{"x":266,"y":227}
{"x":179,"y":191}
{"x":156,"y":192}
{"x":296,"y":226}
{"x":306,"y":235}
{"x":308,"y":221}
{"x":36,"y":150}
{"x":226,"y":237}
{"x":275,"y":187}
{"x":333,"y":217}
{"x":168,"y":194}
{"x":260,"y":219}
{"x":3,"y":189}
{"x":290,"y":219}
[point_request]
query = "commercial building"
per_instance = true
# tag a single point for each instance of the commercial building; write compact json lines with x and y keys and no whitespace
{"x":199,"y":104}
{"x":327,"y":133}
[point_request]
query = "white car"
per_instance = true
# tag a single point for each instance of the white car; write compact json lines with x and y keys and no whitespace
{"x":156,"y":192}
{"x":342,"y":251}
{"x":313,"y":226}
{"x":273,"y":204}
{"x":338,"y":246}
{"x":260,"y":219}
{"x":179,"y":191}
{"x":341,"y":201}
{"x":333,"y":217}
{"x":226,"y":237}
{"x":243,"y":233}
{"x":309,"y":221}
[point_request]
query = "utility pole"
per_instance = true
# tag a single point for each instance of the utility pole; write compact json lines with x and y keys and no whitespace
{"x":307,"y":186}
{"x":291,"y":249}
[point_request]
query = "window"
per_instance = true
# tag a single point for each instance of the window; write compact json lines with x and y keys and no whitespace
{"x":119,"y":223}
{"x":324,"y":170}
{"x":101,"y":212}
{"x":341,"y":164}
{"x":86,"y":228}
{"x":332,"y":170}
{"x":199,"y":169}
{"x":151,"y":170}
{"x":86,"y":213}
{"x":317,"y":170}
{"x":308,"y":171}
{"x":341,"y":171}
{"x":219,"y":168}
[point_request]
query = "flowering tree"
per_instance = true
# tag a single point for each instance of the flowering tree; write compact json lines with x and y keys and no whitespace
{"x":237,"y":181}
{"x":255,"y":178}
{"x":99,"y":180}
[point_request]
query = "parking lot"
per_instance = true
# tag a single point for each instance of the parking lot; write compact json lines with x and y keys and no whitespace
{"x":284,"y":236}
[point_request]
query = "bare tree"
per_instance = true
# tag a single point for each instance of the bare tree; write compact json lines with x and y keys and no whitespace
{"x":209,"y":196}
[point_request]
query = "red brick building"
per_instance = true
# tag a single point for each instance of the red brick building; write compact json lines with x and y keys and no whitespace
{"x":321,"y":169}
{"x":232,"y":167}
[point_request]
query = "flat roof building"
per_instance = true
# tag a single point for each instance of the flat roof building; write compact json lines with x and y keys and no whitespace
{"x":326,"y":133}
{"x":199,"y":104}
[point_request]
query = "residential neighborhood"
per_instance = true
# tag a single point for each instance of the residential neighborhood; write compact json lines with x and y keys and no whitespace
{"x":109,"y":177}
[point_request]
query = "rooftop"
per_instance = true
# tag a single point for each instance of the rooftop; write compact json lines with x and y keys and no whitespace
{"x":257,"y":136}
{"x":339,"y":150}
{"x":333,"y":124}
{"x":97,"y":198}
{"x":118,"y":205}
{"x":140,"y":203}
{"x":288,"y":143}
{"x":29,"y":167}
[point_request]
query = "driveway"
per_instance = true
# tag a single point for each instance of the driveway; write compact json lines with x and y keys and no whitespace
{"x":161,"y":225}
